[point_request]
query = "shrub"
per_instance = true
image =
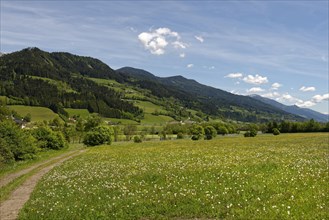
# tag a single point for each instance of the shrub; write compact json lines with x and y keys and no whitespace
{"x":49,"y":139}
{"x":197,"y":132}
{"x":98,"y":135}
{"x":6,"y":156}
{"x":180,"y":135}
{"x":276,"y":131}
{"x":137,"y":139}
{"x":222,"y":130}
{"x":16,"y":144}
{"x":251,"y":133}
{"x":210,"y":132}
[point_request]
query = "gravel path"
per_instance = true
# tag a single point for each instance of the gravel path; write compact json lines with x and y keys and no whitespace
{"x":9,"y":208}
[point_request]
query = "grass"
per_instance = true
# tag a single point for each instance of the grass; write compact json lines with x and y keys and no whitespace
{"x":150,"y":119}
{"x":84,"y":113}
{"x":121,"y":121}
{"x":37,"y":113}
{"x":267,"y":177}
{"x":62,"y":86}
{"x":149,"y":107}
{"x":112,"y":84}
{"x":3,"y":99}
{"x":40,"y":157}
{"x":18,"y":166}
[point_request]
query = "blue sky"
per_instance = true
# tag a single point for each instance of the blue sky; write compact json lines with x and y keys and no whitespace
{"x":277,"y":49}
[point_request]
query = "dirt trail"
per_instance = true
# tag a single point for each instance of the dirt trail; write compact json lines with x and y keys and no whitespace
{"x":9,"y":208}
{"x":8,"y":178}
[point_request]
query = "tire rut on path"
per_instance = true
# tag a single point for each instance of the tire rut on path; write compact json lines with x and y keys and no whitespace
{"x":9,"y":208}
{"x":10,"y":177}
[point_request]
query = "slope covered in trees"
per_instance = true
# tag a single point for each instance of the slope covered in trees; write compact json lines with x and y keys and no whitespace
{"x":62,"y":80}
{"x":24,"y":77}
{"x":207,"y":99}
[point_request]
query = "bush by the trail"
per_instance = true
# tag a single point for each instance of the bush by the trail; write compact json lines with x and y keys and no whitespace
{"x":15,"y":143}
{"x":276,"y":131}
{"x":210,"y":132}
{"x":137,"y":139}
{"x":99,"y":135}
{"x":6,"y":156}
{"x":251,"y":133}
{"x":49,"y":139}
{"x":197,"y":132}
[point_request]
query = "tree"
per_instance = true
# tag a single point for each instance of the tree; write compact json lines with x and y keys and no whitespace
{"x":27,"y":117}
{"x":137,"y":139}
{"x":116,"y":132}
{"x":49,"y":139}
{"x":251,"y":133}
{"x":16,"y":144}
{"x":210,"y":132}
{"x":180,"y":135}
{"x":79,"y":127}
{"x":129,"y":131}
{"x":197,"y":132}
{"x":222,"y":130}
{"x":92,"y":122}
{"x":99,"y":135}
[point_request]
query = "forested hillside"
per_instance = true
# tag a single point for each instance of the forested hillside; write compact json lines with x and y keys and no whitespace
{"x":28,"y":77}
{"x":62,"y":80}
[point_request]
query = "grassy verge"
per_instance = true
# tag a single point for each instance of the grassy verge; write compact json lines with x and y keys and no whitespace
{"x":10,"y":187}
{"x":267,"y":177}
{"x":41,"y":157}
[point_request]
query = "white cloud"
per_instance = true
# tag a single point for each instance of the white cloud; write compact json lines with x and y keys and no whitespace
{"x":182,"y":55}
{"x":289,"y":98}
{"x":257,"y":79}
{"x":190,"y":65}
{"x":320,"y":98}
{"x":305,"y":104}
{"x":156,"y":41}
{"x":255,"y":90}
{"x":234,"y":75}
{"x":271,"y":95}
{"x":199,"y":38}
{"x":212,"y":68}
{"x":179,"y":44}
{"x":307,"y":89}
{"x":276,"y":86}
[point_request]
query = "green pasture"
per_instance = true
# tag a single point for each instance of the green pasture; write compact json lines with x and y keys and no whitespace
{"x":150,"y":119}
{"x":84,"y":113}
{"x":149,"y":107}
{"x":266,"y":177}
{"x":37,"y":113}
{"x":62,"y":86}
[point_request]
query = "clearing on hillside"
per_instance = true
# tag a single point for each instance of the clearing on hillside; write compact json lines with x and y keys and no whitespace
{"x":37,"y":113}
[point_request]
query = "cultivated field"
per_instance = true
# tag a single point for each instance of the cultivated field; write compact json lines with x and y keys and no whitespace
{"x":266,"y":177}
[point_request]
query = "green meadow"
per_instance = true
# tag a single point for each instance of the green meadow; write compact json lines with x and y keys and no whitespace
{"x":84,"y":113}
{"x":266,"y":177}
{"x":37,"y":113}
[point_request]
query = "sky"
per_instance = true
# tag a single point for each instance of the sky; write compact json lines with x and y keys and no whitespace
{"x":276,"y":49}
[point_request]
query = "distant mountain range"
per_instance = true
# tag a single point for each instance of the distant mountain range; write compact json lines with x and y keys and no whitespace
{"x":210,"y":100}
{"x":63,"y":80}
{"x":293,"y":109}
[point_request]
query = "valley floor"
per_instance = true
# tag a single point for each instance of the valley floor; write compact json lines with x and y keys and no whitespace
{"x":266,"y":177}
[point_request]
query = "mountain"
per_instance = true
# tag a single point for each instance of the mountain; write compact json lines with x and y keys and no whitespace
{"x":210,"y":100}
{"x":293,"y":109}
{"x":61,"y":80}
